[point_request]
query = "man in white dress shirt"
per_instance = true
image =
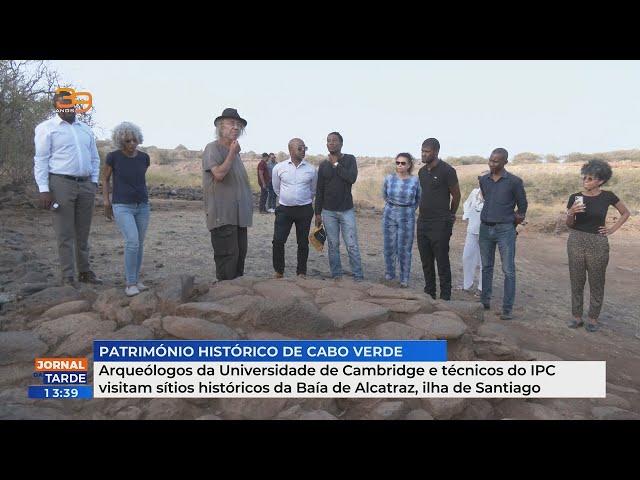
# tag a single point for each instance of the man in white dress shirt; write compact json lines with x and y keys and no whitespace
{"x":66,"y":169}
{"x":294,"y":181}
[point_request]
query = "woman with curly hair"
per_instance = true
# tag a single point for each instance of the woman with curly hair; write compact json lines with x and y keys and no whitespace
{"x":130,"y":200}
{"x":588,"y":245}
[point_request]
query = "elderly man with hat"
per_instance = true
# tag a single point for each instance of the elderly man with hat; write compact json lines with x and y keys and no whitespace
{"x":228,"y":198}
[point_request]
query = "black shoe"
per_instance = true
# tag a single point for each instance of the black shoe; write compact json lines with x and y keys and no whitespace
{"x":486,"y":306}
{"x":89,"y":277}
{"x":506,"y":316}
{"x":433,"y":295}
{"x":69,"y":281}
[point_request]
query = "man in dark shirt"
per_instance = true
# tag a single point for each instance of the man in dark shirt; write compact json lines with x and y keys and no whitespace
{"x":502,"y":192}
{"x":438,"y":205}
{"x":334,"y":206}
{"x":264,"y":179}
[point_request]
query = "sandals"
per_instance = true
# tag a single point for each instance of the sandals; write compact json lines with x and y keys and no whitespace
{"x":575,"y":324}
{"x":592,"y":327}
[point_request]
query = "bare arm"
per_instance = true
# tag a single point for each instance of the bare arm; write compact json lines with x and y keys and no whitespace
{"x":454,"y":190}
{"x":571,"y":213}
{"x":220,"y":171}
{"x":106,"y":178}
{"x":624,"y":215}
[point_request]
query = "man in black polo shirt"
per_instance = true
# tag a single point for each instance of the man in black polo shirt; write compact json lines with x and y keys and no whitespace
{"x":438,"y":206}
{"x":502,"y":192}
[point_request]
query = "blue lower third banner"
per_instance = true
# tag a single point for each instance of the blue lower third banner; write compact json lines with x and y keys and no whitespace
{"x":45,"y":391}
{"x":270,"y":350}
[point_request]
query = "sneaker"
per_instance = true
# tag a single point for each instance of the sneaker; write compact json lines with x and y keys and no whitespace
{"x":131,"y":291}
{"x":272,"y":210}
{"x":277,"y":275}
{"x":302,"y":275}
{"x":89,"y":277}
{"x":142,"y":287}
{"x":69,"y":281}
{"x":404,"y":284}
{"x":506,"y":316}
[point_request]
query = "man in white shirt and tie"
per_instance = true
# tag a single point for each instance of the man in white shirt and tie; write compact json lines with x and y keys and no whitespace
{"x":66,"y":169}
{"x":294,"y":181}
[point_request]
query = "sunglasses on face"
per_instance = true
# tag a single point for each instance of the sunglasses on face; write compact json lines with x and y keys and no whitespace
{"x":401,"y":163}
{"x":587,"y":178}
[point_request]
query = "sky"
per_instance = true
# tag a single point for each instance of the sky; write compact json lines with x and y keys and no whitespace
{"x":380,"y":107}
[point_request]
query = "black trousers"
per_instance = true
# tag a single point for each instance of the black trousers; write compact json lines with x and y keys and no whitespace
{"x":262,"y":206}
{"x":433,"y":244}
{"x":301,"y":216}
{"x":229,"y":244}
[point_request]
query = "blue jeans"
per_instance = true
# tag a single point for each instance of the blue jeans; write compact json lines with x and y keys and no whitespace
{"x":271,"y":199}
{"x":504,"y":236}
{"x":334,"y":222}
{"x":132,"y":220}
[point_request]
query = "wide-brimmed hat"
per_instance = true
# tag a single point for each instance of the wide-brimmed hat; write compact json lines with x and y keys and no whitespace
{"x":230,"y":113}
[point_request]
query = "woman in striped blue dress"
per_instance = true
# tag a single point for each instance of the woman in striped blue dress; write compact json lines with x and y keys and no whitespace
{"x":401,"y":192}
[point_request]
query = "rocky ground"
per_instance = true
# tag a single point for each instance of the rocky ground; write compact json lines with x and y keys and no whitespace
{"x":39,"y":318}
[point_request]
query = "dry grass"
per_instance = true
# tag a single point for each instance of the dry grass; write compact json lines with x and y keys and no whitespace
{"x":548,"y":186}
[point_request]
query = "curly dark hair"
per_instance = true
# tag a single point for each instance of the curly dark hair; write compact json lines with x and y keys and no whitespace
{"x":597,"y":168}
{"x":409,"y":157}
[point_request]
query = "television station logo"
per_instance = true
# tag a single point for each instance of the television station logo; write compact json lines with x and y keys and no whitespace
{"x":78,"y":102}
{"x":61,"y":378}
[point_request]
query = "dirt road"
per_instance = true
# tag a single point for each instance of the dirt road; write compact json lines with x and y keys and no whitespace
{"x":178,"y":242}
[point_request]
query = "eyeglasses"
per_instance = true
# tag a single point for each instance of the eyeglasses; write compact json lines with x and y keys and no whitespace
{"x":302,"y":149}
{"x":587,"y":178}
{"x":401,"y":163}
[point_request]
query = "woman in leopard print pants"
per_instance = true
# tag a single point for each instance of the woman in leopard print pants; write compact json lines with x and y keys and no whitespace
{"x":588,"y":245}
